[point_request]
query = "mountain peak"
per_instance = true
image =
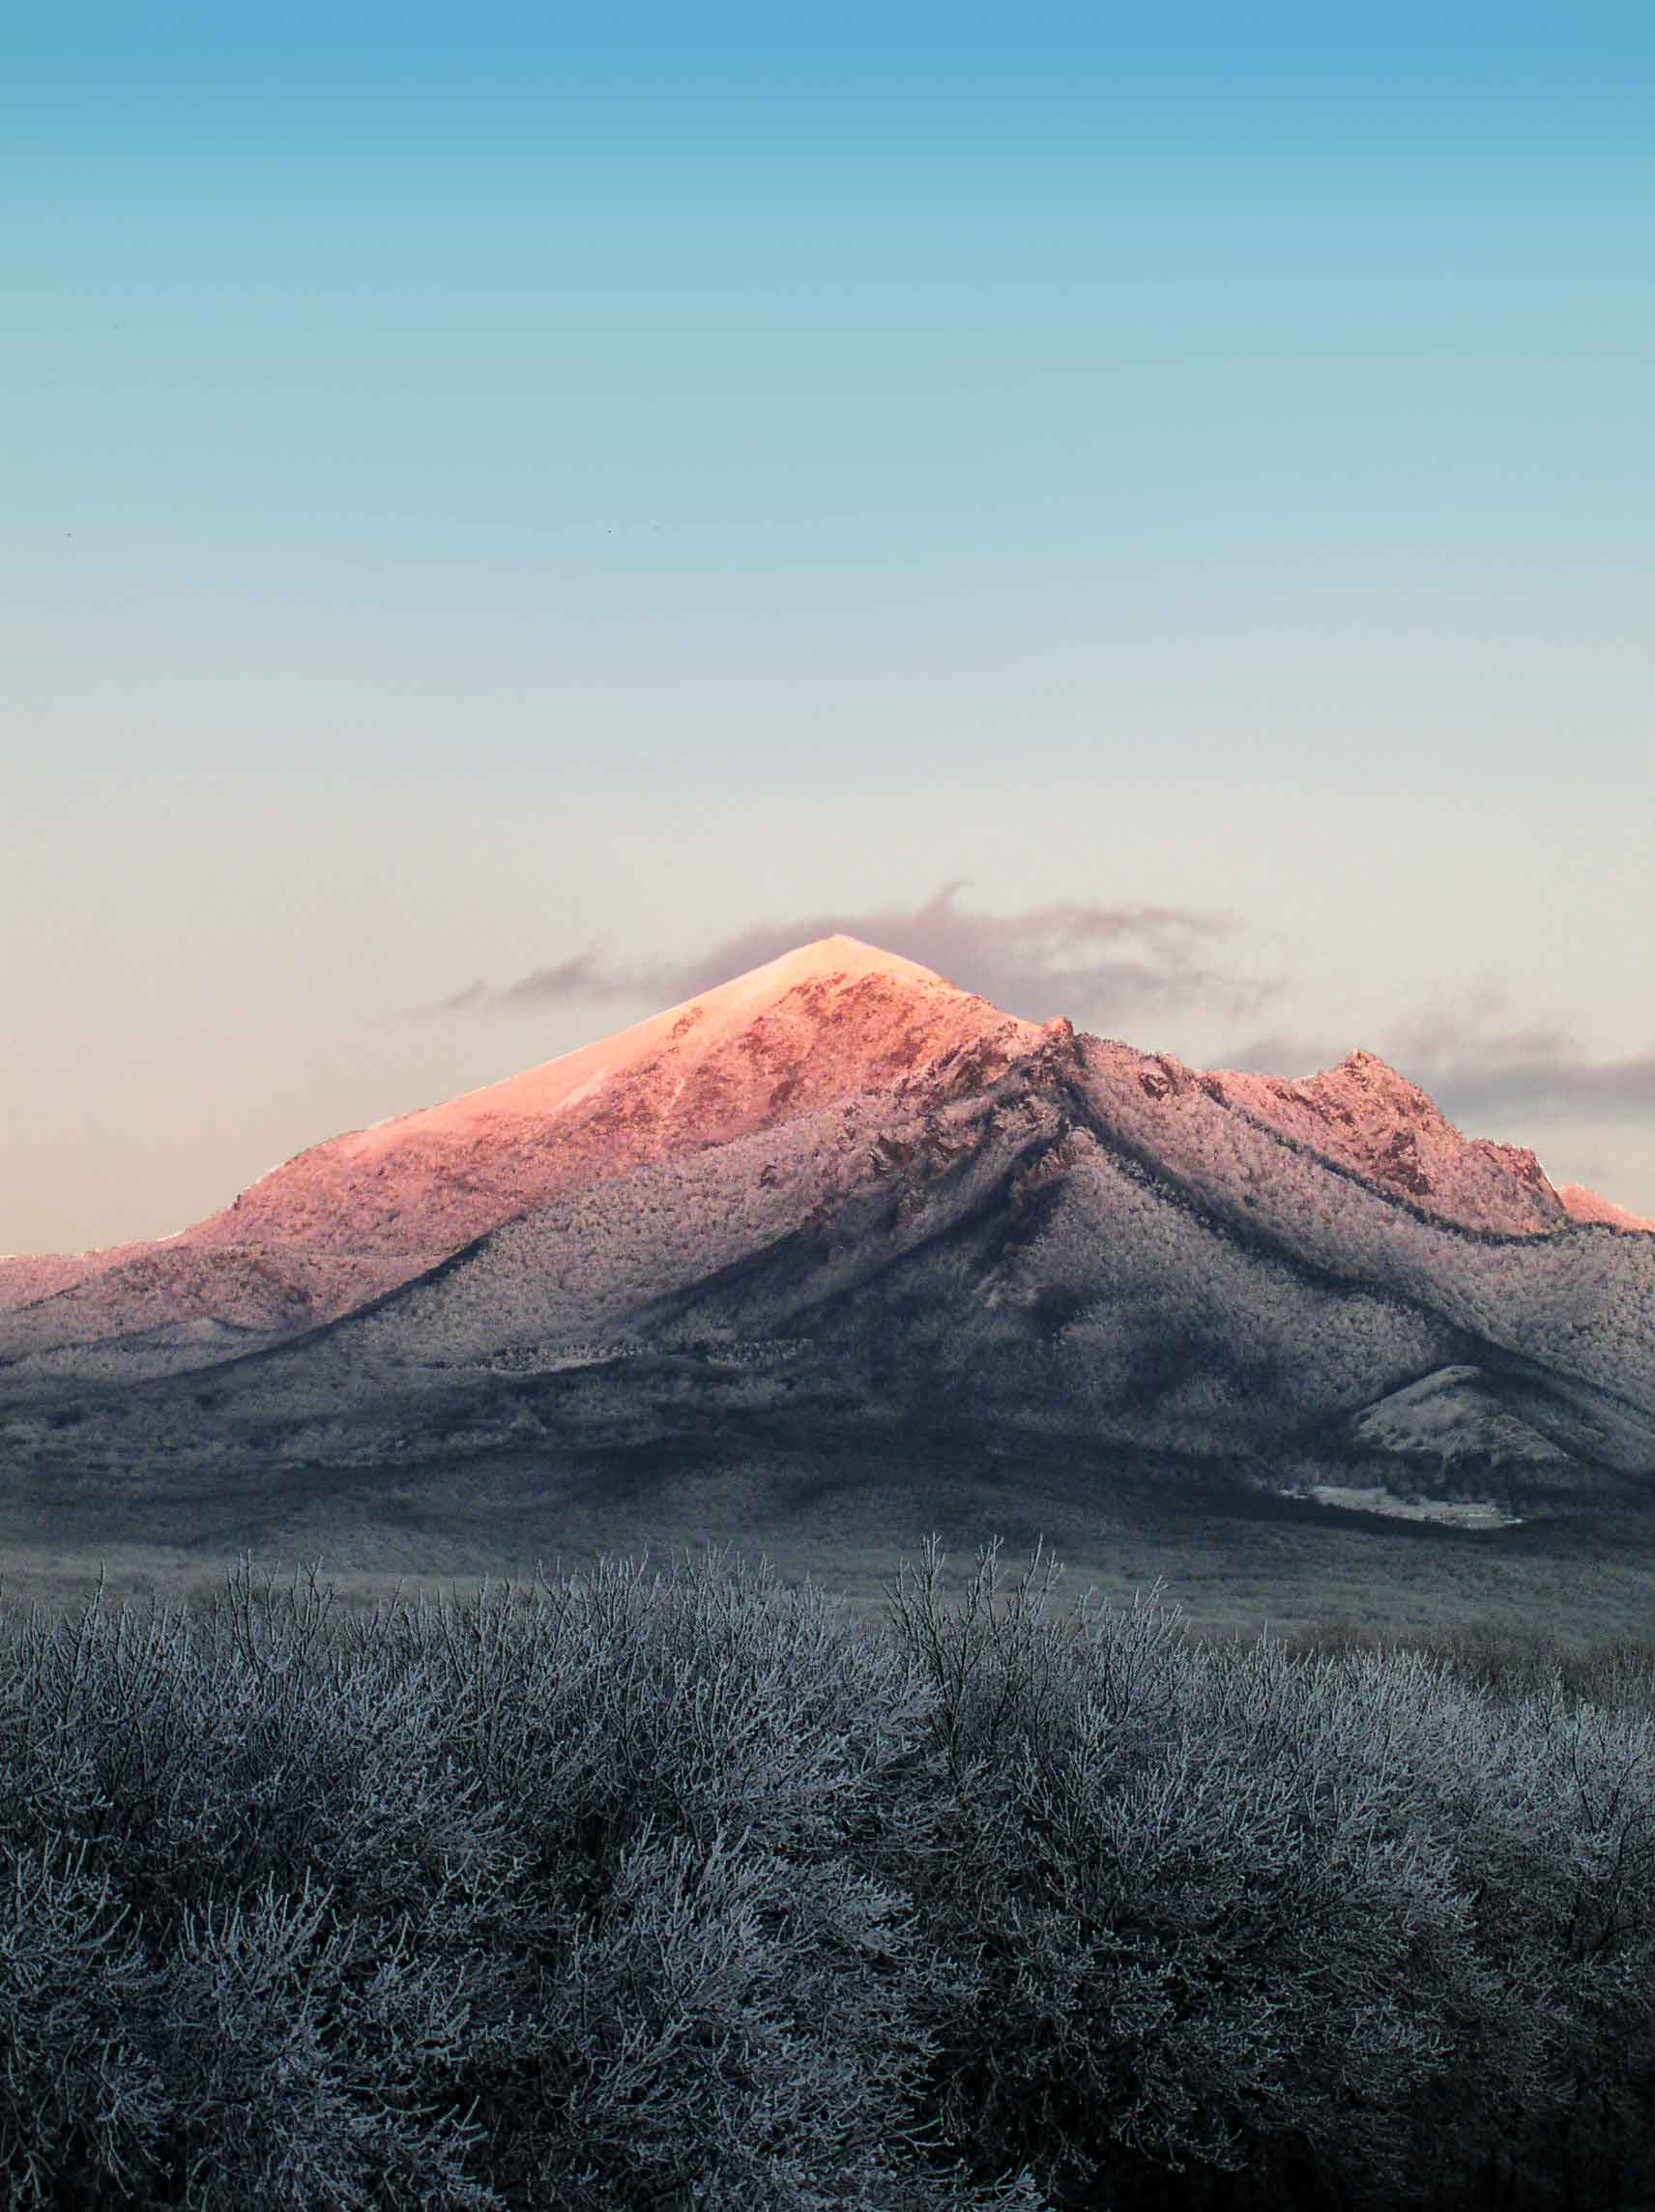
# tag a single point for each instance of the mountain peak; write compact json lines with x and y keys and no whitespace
{"x":837,"y":959}
{"x":1368,"y":1069}
{"x":1363,"y":1113}
{"x":840,"y":948}
{"x":813,"y":1028}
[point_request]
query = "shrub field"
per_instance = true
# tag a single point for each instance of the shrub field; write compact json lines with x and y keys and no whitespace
{"x":676,"y":1888}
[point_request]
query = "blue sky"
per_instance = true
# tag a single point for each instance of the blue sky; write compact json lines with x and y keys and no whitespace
{"x":482,"y":483}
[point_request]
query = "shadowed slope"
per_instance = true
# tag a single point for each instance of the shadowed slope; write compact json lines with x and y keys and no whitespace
{"x":838,"y":1190}
{"x":1068,"y":1248}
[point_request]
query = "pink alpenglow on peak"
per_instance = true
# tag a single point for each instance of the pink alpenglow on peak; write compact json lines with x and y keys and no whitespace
{"x":1364,"y":1115}
{"x":830,"y":1020}
{"x":796,"y":995}
{"x":827,"y":1024}
{"x":1585,"y":1205}
{"x":356,"y":1216}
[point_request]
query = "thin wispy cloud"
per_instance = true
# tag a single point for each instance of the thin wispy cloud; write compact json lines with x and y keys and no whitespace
{"x":1556,"y":1081}
{"x":1099,"y":965}
{"x":1479,"y":1065}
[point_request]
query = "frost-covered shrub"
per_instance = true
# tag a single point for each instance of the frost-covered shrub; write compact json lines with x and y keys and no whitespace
{"x":1551,"y":1806}
{"x":732,"y":2029}
{"x":1335,"y":1926}
{"x":535,"y":1906}
{"x":207,"y":1759}
{"x":684,"y":1891}
{"x":1204,"y":1915}
{"x":81,"y":2103}
{"x":707,"y":1774}
{"x":306,"y":2055}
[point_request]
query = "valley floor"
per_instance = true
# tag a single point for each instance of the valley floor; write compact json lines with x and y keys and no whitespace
{"x":839,"y":1512}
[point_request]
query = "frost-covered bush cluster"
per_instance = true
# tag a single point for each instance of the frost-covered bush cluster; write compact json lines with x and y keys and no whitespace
{"x":685,"y":1891}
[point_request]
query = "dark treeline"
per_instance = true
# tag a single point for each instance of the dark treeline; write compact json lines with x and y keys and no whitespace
{"x":681,"y":1889}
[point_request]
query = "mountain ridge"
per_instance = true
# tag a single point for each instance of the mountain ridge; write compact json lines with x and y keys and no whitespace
{"x":538,"y":1093}
{"x":838,"y":1190}
{"x":452,"y":1171}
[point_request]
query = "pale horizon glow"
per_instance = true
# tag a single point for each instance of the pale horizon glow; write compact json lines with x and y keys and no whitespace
{"x":500,"y":507}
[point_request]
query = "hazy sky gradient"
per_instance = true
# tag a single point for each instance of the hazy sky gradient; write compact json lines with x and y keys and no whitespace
{"x":486,"y":489}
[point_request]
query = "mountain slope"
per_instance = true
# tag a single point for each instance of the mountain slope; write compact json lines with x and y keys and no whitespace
{"x":350,"y":1219}
{"x":837,"y":1194}
{"x":1364,"y":1115}
{"x":1583,"y":1204}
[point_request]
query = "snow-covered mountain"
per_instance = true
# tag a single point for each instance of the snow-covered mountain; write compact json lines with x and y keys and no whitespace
{"x":1363,"y":1115}
{"x":351,"y":1218}
{"x":839,"y":1192}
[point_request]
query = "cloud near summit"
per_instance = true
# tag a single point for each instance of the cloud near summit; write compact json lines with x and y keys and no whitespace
{"x":1478,"y":1065}
{"x":1543,"y":1073}
{"x":1097,"y":964}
